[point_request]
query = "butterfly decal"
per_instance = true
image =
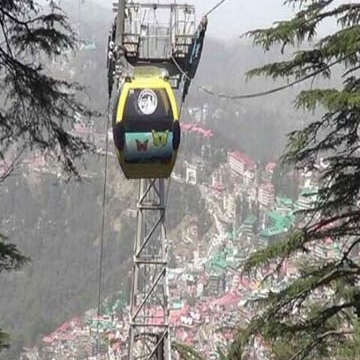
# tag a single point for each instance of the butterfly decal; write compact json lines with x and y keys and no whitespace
{"x":160,"y":138}
{"x":141,"y":146}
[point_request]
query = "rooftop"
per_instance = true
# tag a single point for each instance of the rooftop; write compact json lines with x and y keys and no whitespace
{"x":241,"y":157}
{"x":281,"y":223}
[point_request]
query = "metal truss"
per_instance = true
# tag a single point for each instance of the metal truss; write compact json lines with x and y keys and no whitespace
{"x":149,"y":337}
{"x":153,"y":34}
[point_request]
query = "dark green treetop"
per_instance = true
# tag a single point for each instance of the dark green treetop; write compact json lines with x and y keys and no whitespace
{"x":186,"y":352}
{"x":295,"y":323}
{"x":36,"y":109}
{"x":10,"y":259}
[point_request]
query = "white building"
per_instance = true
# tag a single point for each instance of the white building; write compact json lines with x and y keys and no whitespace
{"x":229,"y":206}
{"x":191,"y":173}
{"x":266,"y":194}
{"x":239,"y":162}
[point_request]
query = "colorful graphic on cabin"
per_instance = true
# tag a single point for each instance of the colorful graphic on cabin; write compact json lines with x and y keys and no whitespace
{"x":148,"y":147}
{"x":141,"y":146}
{"x":147,"y":101}
{"x":160,"y":138}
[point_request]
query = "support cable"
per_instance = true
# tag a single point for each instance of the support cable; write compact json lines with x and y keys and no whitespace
{"x":102,"y":227}
{"x":262,"y":93}
{"x":215,"y":7}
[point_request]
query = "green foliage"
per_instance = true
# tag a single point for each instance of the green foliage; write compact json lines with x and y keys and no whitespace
{"x":186,"y":352}
{"x":190,"y":300}
{"x":284,"y":186}
{"x":37,"y":110}
{"x":10,"y":257}
{"x":351,"y":348}
{"x":221,"y":354}
{"x":294,"y":324}
{"x":184,"y":199}
{"x":4,"y":338}
{"x":65,"y":249}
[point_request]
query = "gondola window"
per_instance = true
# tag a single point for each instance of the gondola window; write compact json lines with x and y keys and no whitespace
{"x":147,"y":110}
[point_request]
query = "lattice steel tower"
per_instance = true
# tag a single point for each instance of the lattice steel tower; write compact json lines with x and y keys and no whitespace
{"x":149,"y":337}
{"x":164,"y":35}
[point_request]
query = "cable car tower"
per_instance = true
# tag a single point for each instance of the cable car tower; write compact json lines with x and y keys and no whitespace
{"x":147,"y":36}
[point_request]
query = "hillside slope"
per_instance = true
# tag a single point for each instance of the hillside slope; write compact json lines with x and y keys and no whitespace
{"x":58,"y":226}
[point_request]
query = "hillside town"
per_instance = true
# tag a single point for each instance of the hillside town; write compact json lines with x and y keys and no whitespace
{"x":230,"y":197}
{"x":210,"y":295}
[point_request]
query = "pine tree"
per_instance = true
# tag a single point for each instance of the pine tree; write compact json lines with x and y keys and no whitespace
{"x":10,"y":259}
{"x":296,"y":323}
{"x":281,"y":181}
{"x":185,"y":352}
{"x":36,"y":109}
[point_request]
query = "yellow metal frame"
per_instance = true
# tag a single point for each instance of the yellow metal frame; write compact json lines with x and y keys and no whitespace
{"x":142,"y":171}
{"x":150,"y":83}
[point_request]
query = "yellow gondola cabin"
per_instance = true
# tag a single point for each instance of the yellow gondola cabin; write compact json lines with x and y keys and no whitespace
{"x":146,"y":126}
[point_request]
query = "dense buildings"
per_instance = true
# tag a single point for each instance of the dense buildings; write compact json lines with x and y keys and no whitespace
{"x":210,"y":297}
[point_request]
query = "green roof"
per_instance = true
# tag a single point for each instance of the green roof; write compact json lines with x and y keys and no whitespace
{"x":220,"y":263}
{"x":217,"y":264}
{"x":177,"y":305}
{"x":280,"y":222}
{"x":103,"y":324}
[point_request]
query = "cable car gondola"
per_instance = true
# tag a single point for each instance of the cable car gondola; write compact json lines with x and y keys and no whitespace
{"x":146,"y":126}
